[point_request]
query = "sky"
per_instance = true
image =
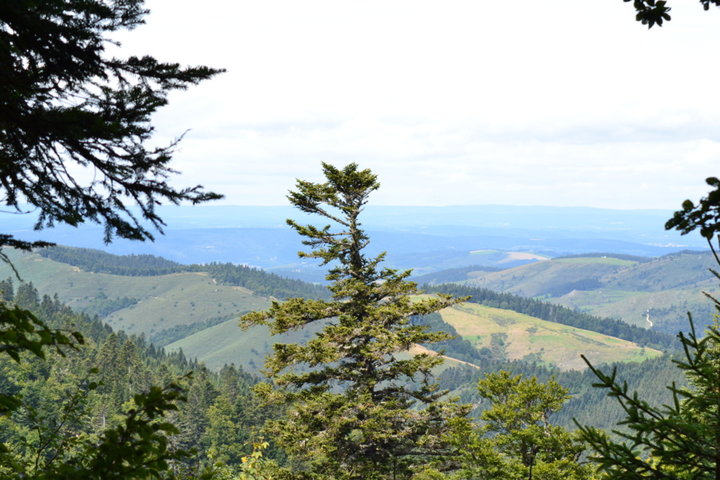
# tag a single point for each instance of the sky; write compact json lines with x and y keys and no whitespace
{"x":453,"y":102}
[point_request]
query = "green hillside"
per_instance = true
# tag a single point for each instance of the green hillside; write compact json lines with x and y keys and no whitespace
{"x":227,"y":343}
{"x":549,"y":278}
{"x":601,"y":260}
{"x":667,"y":309}
{"x":148,"y":304}
{"x":670,"y":272}
{"x":520,"y":336}
{"x":607,"y":286}
{"x":259,"y":281}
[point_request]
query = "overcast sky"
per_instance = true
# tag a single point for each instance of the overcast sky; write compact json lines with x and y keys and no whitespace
{"x":560,"y":102}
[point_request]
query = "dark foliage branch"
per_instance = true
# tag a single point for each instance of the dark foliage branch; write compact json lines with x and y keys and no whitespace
{"x":655,"y":12}
{"x":663,"y":442}
{"x":21,"y":331}
{"x":67,"y":106}
{"x":705,"y":216}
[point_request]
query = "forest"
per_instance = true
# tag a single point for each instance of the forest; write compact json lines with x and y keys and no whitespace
{"x":365,"y":395}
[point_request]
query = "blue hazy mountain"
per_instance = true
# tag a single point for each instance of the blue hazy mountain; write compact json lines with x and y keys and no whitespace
{"x":425,"y":238}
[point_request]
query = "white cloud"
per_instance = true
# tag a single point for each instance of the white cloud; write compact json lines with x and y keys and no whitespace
{"x":564,"y":102}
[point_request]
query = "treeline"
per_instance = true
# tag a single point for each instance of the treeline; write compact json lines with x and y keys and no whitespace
{"x":97,"y":261}
{"x":178,"y":332}
{"x":254,"y":279}
{"x":103,"y":306}
{"x":261,"y":282}
{"x":559,"y":314}
{"x":90,"y":389}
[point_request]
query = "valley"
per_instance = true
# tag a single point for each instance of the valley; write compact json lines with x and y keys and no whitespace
{"x":193,"y":312}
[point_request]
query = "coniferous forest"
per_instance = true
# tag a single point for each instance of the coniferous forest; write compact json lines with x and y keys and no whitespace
{"x":375,"y":385}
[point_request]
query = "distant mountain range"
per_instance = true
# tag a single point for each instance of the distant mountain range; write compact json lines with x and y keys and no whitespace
{"x":427,"y":239}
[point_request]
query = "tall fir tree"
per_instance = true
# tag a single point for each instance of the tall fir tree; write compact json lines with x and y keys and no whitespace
{"x":359,"y":406}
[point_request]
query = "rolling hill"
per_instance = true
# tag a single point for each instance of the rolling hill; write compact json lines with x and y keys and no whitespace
{"x":620,"y":287}
{"x":193,"y":311}
{"x":426,"y":239}
{"x":145,"y":304}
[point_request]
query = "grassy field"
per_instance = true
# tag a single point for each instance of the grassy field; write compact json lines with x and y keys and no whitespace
{"x":227,"y":343}
{"x":521,"y":336}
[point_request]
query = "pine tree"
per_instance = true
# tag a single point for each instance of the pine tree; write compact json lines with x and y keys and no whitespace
{"x":359,"y":405}
{"x":517,"y":440}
